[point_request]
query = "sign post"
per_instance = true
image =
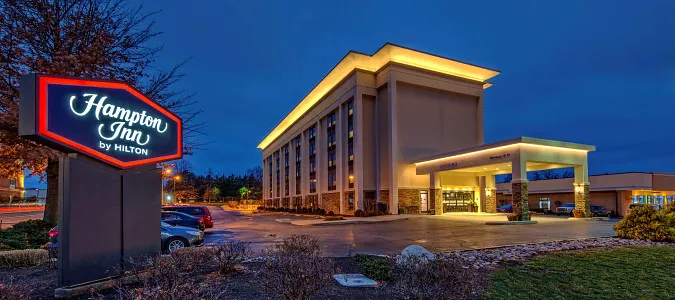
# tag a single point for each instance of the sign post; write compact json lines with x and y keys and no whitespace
{"x":109,"y":184}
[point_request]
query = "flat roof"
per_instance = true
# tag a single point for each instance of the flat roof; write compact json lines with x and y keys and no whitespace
{"x":510,"y":142}
{"x":373,"y":63}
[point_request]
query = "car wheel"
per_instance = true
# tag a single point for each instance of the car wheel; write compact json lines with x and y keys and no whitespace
{"x":175,"y":243}
{"x":571,"y":214}
{"x":595,"y":215}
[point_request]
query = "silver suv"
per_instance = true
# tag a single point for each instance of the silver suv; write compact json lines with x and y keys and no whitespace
{"x":176,"y":237}
{"x":565,"y":209}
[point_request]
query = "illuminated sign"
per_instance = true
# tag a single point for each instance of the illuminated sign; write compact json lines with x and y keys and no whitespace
{"x":107,"y":120}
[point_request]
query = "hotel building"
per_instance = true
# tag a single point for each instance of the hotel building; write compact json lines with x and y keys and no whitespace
{"x":403,"y":130}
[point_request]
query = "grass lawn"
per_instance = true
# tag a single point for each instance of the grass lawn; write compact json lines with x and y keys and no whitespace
{"x":619,"y":273}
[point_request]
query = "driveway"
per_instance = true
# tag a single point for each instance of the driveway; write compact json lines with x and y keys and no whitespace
{"x":436,"y":233}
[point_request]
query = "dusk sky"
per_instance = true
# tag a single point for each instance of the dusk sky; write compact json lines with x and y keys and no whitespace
{"x":594,"y":72}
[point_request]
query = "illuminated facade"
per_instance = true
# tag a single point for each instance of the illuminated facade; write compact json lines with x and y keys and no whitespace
{"x":11,"y":187}
{"x":385,"y":131}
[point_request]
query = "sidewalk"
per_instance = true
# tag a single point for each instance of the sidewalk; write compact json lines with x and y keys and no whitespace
{"x":352,"y":220}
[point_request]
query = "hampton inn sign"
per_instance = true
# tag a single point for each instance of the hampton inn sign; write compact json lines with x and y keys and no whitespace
{"x":106,"y":120}
{"x":114,"y":137}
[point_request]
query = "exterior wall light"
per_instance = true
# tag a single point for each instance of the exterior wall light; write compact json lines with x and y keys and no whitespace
{"x":488,"y":192}
{"x":578,"y":188}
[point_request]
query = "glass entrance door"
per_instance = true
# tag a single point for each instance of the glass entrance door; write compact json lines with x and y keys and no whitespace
{"x":458,"y":201}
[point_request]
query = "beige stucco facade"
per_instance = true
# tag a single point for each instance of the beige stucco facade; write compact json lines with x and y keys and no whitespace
{"x":404,"y":129}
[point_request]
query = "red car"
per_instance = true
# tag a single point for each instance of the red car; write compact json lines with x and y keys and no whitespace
{"x":197,"y":211}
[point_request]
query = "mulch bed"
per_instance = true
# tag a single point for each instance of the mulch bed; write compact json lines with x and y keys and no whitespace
{"x":246,"y":284}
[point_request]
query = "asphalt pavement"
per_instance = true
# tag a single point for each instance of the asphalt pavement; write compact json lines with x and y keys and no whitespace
{"x":436,"y":233}
{"x":9,"y":219}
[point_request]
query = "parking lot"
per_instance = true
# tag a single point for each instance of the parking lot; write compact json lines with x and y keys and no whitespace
{"x":436,"y":233}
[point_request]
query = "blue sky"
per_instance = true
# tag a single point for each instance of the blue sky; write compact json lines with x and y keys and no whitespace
{"x":595,"y":72}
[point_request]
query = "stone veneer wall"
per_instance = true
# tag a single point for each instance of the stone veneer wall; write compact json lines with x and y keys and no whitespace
{"x":345,"y":199}
{"x":520,"y":204}
{"x":286,"y":202}
{"x":384,"y":198}
{"x":331,"y":202}
{"x":491,"y":201}
{"x":409,"y":201}
{"x":582,"y":201}
{"x":436,"y":201}
{"x":311,"y":201}
{"x":275,"y":202}
{"x":297,"y":202}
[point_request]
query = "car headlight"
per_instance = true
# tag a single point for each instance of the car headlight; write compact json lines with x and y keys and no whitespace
{"x":194,"y":232}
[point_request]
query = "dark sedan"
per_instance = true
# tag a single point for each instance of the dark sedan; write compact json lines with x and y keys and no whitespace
{"x":182,"y":219}
{"x":507,"y":208}
{"x":600,"y":211}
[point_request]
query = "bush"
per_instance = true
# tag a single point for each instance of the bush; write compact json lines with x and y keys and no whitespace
{"x":512,"y":217}
{"x":192,"y":258}
{"x":11,"y":291}
{"x":231,"y":254}
{"x":320,"y":211}
{"x":374,"y":267}
{"x":310,"y":210}
{"x":645,"y":223}
{"x":358,"y":213}
{"x":23,"y":258}
{"x":165,"y":277}
{"x":366,"y":214}
{"x":296,"y":268}
{"x":330,"y":213}
{"x":29,"y":234}
{"x":420,"y":278}
{"x":333,"y":218}
{"x":260,"y":208}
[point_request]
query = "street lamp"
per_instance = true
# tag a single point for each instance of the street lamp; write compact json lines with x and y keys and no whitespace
{"x":177,"y":177}
{"x":166,"y":173}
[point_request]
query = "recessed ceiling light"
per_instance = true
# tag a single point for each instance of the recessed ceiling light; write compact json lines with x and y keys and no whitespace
{"x":497,"y":168}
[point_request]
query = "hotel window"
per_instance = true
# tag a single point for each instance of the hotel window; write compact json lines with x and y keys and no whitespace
{"x":331,"y":140}
{"x":12,"y":183}
{"x":298,"y":179}
{"x":350,"y":130}
{"x":331,"y":160}
{"x":286,"y":171}
{"x":351,"y":154}
{"x":312,"y":166}
{"x":332,"y":182}
{"x":330,"y":120}
{"x":670,"y":199}
{"x":545,"y":203}
{"x":351,"y":178}
{"x":269,"y":163}
{"x":639,"y":199}
{"x":350,"y":108}
{"x":312,"y":186}
{"x":276,"y":160}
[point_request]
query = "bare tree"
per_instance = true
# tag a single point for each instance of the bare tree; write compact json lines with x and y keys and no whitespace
{"x":107,"y":39}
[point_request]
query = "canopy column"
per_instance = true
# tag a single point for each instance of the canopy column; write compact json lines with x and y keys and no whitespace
{"x":519,"y":189}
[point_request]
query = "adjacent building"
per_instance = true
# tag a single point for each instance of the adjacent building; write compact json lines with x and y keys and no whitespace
{"x":11,"y":188}
{"x":402,"y":130}
{"x":613,"y":191}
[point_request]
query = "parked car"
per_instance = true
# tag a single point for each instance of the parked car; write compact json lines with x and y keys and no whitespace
{"x":196,"y":211}
{"x":53,"y":238}
{"x":600,"y":211}
{"x":506,"y":208}
{"x":182,"y":219}
{"x":176,"y":237}
{"x":565,"y":209}
{"x":656,"y":206}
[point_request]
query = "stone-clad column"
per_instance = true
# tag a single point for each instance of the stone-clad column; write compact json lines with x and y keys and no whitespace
{"x":490,"y":194}
{"x":520,"y":204}
{"x":519,"y":189}
{"x":435,"y":193}
{"x":582,"y":190}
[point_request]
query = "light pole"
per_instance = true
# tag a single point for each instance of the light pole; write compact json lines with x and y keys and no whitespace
{"x":167,"y":172}
{"x":177,"y":177}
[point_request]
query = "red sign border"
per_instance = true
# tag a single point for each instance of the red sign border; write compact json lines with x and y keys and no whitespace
{"x":42,"y":117}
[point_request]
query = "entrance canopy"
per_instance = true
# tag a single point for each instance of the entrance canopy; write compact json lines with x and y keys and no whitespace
{"x":516,"y":156}
{"x":474,"y":169}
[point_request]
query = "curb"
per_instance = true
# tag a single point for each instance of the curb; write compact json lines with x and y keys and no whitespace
{"x":511,"y":222}
{"x":347,"y":222}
